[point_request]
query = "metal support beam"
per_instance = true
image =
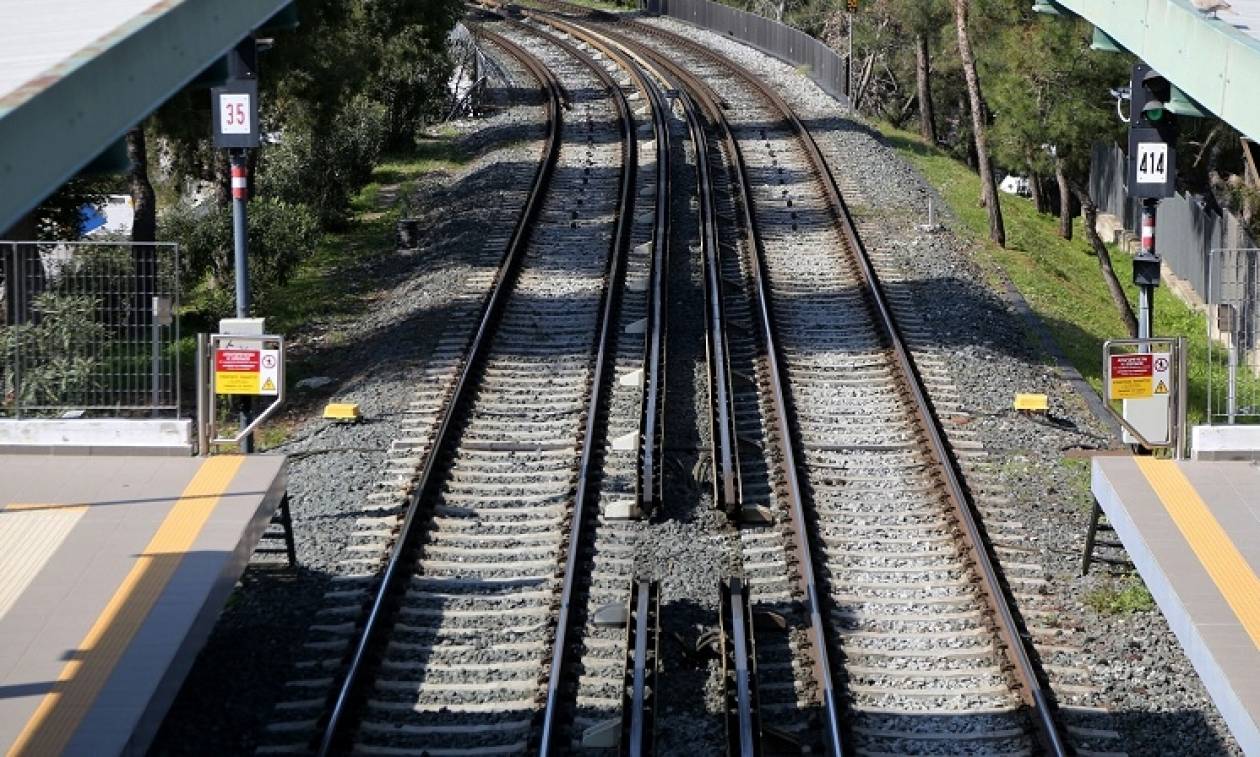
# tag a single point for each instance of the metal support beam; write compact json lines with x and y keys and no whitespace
{"x":55,"y":125}
{"x":1206,"y":58}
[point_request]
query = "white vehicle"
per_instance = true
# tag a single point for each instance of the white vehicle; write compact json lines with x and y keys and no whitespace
{"x":1014,"y":184}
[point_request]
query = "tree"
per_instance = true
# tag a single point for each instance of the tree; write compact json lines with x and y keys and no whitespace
{"x":988,"y":186}
{"x":923,"y":20}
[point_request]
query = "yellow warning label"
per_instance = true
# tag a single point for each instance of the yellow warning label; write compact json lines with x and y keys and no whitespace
{"x":269,"y":386}
{"x":1161,"y":388}
{"x":1130,"y":388}
{"x":236,"y":382}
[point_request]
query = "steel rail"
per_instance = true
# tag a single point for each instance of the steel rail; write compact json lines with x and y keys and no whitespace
{"x":728,"y":485}
{"x":648,"y":482}
{"x":343,"y":715}
{"x":807,"y":580}
{"x":638,"y":720}
{"x":739,"y":667}
{"x":548,"y":743}
{"x":1034,"y":692}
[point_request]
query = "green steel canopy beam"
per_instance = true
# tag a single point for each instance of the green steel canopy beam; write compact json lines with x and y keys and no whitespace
{"x":1210,"y":61}
{"x":57,"y":123}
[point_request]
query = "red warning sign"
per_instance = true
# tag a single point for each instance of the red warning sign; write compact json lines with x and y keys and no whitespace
{"x":1131,"y":376}
{"x":236,"y":371}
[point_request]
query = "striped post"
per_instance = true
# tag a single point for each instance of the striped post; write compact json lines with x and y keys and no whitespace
{"x":240,"y":182}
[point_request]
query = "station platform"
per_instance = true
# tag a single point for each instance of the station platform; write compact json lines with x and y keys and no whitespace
{"x":1192,"y":529}
{"x":113,"y":570}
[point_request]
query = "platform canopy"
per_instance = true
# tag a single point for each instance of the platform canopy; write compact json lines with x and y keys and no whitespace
{"x":75,"y":75}
{"x":1213,"y":57}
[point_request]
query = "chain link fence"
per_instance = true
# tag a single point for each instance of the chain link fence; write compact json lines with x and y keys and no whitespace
{"x":88,"y":329}
{"x":1234,"y":329}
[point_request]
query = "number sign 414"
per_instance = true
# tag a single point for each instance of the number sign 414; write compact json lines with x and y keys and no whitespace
{"x":1152,"y":163}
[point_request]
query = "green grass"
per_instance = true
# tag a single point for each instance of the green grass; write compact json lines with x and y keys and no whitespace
{"x":320,"y":288}
{"x":1060,"y":279}
{"x":1130,"y":597}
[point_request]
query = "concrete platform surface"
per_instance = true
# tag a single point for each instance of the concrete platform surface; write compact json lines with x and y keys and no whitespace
{"x":113,"y":571}
{"x":1193,"y":531}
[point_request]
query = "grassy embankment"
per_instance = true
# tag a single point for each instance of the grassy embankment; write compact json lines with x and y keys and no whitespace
{"x":1060,"y":279}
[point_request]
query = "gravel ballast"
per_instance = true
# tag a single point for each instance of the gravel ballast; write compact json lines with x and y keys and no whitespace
{"x":1156,"y":699}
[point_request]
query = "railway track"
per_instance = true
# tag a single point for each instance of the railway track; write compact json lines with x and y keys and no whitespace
{"x":899,"y":590}
{"x":511,"y":616}
{"x":452,"y":656}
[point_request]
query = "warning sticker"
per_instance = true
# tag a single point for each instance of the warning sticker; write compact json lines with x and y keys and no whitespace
{"x":269,"y":373}
{"x":1139,"y":376}
{"x":239,"y":371}
{"x":1131,"y":376}
{"x":236,"y":371}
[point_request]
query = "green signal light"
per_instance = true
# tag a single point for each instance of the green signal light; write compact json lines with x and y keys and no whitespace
{"x":1153,"y":111}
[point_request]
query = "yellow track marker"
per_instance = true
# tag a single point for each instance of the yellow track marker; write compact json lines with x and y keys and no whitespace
{"x":342,"y":411}
{"x":53,"y":724}
{"x":1032,"y":403}
{"x":1223,"y":562}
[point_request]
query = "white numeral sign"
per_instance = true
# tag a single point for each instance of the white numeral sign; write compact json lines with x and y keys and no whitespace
{"x":234,"y":114}
{"x":1152,"y":166}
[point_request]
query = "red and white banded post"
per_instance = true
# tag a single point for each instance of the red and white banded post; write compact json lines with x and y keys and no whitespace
{"x":240,"y":181}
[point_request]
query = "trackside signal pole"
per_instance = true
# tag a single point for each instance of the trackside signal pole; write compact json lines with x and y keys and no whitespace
{"x":1152,"y":174}
{"x":235,"y":113}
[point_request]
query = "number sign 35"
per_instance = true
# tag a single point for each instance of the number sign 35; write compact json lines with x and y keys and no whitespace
{"x":234,"y":114}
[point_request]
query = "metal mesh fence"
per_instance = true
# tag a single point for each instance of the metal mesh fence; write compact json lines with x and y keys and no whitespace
{"x":825,"y":66}
{"x":1234,"y":336}
{"x":89,"y":329}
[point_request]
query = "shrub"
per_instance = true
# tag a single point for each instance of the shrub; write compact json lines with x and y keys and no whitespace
{"x":321,"y":167}
{"x":281,"y":236}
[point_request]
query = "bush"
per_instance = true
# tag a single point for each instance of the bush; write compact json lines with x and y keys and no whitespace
{"x":322,"y":167}
{"x":61,"y":351}
{"x":281,"y":236}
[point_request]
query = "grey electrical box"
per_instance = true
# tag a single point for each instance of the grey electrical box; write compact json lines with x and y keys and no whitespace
{"x":1225,"y":316}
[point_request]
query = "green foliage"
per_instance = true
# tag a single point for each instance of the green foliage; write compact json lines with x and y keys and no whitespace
{"x":322,"y":171}
{"x":1048,"y":90}
{"x":281,"y":235}
{"x":1123,"y":599}
{"x":60,"y":350}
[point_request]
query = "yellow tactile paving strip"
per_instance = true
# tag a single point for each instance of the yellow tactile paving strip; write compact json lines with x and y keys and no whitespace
{"x":1223,"y":562}
{"x":29,"y":535}
{"x":59,"y":713}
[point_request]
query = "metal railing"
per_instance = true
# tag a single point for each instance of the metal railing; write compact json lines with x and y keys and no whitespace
{"x":826,"y":67}
{"x":89,"y":329}
{"x":1234,"y":329}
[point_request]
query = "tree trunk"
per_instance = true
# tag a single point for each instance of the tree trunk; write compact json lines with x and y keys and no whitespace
{"x":1034,"y":186}
{"x":1065,"y":200}
{"x":1089,"y":212}
{"x":144,"y":225}
{"x":864,"y":81}
{"x":923,"y":73}
{"x":143,"y":229}
{"x":988,"y":186}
